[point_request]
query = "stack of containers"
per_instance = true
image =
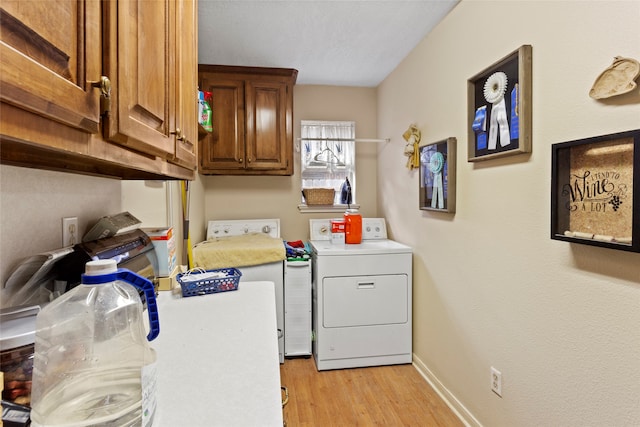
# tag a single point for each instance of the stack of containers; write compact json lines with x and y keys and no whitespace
{"x":165,"y":247}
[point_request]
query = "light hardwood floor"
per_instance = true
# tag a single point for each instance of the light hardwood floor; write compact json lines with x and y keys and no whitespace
{"x":387,"y":396}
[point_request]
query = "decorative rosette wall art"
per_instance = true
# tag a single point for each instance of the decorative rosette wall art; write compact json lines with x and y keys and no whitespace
{"x":494,"y":90}
{"x":499,"y":108}
{"x":438,"y":176}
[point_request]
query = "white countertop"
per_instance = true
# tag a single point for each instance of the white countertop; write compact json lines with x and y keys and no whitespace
{"x":218,"y":359}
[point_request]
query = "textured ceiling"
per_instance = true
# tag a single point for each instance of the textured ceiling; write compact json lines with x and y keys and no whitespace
{"x":340,"y":42}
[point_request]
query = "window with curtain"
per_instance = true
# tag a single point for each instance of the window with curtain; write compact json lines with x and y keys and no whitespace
{"x":328,"y":156}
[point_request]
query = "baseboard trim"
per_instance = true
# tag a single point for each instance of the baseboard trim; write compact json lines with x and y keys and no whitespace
{"x":452,"y":402}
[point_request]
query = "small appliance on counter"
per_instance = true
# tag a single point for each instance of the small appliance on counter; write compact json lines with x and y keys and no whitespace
{"x":38,"y":279}
{"x":133,"y":250}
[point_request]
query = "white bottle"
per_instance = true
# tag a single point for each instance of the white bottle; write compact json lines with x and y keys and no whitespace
{"x":93,"y":364}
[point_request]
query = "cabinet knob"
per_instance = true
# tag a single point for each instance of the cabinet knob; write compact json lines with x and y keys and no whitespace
{"x":249,"y":160}
{"x":240,"y":160}
{"x":104,"y":84}
{"x":178,"y":134}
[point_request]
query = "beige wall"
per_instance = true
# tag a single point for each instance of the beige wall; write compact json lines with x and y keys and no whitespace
{"x":559,"y":320}
{"x":159,"y":204}
{"x":245,"y":197}
{"x":33,"y":203}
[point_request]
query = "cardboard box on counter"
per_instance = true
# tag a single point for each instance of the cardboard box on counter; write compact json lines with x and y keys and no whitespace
{"x":170,"y":283}
{"x":165,"y":248}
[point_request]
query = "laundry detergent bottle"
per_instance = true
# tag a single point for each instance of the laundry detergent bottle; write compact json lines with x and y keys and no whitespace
{"x":353,"y":227}
{"x":93,"y":364}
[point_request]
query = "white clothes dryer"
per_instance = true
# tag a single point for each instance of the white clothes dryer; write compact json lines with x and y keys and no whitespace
{"x":361,"y":298}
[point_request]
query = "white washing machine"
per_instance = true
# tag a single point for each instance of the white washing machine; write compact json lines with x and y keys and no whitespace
{"x":271,"y":272}
{"x":362,"y":298}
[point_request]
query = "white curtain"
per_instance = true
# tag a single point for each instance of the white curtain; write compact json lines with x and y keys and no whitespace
{"x":328,"y":155}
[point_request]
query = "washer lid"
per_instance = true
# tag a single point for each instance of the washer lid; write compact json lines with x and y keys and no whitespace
{"x":367,"y":247}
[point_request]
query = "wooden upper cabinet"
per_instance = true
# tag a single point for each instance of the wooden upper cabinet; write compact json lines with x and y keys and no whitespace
{"x":186,"y":83}
{"x":223,"y":148}
{"x":139,"y":55}
{"x":267,"y":140}
{"x":50,"y":57}
{"x":252,"y":121}
{"x":52,"y":116}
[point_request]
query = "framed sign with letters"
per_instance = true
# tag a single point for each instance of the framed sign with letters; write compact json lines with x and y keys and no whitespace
{"x":595,"y":191}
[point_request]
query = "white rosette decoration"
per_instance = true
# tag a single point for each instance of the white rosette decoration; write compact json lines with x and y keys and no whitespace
{"x":436,"y":165}
{"x":494,"y":90}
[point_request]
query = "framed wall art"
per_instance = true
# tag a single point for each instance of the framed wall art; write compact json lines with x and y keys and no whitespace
{"x":499,"y":108}
{"x":595,"y":191}
{"x":438,"y":176}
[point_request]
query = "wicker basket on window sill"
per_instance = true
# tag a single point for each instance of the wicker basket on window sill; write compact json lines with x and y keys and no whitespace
{"x":318,"y":196}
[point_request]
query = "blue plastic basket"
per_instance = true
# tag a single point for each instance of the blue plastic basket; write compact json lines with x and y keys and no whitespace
{"x":195,"y":282}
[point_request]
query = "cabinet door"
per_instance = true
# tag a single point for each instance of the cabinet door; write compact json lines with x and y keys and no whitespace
{"x":50,"y":55}
{"x":267,"y":142}
{"x":187,"y":82}
{"x":223,"y":149}
{"x":139,"y":58}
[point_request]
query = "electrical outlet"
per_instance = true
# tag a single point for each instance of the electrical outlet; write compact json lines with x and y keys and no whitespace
{"x":496,"y":381}
{"x":69,"y":231}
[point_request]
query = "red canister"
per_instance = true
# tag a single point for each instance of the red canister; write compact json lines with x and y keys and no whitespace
{"x":353,"y":226}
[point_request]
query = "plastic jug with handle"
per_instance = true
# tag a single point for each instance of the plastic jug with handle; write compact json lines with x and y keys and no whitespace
{"x":93,"y":363}
{"x":353,"y":227}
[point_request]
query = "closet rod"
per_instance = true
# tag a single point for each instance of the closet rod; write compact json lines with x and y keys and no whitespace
{"x":346,"y":139}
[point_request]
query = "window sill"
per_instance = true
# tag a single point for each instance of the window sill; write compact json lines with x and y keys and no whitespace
{"x":322,"y":208}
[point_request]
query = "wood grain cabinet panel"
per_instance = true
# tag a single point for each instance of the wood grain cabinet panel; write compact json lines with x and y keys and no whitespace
{"x":268,"y":143}
{"x":186,"y":121}
{"x":138,"y":58}
{"x":48,"y":69}
{"x":252,"y":121}
{"x":223,"y":149}
{"x":52,"y":114}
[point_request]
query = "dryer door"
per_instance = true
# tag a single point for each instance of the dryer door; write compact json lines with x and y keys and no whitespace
{"x":365,"y":300}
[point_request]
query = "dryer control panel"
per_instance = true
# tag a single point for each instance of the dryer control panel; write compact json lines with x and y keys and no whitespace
{"x":372,"y":229}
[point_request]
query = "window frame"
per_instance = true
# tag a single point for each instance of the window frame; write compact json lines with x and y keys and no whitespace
{"x":331,"y":146}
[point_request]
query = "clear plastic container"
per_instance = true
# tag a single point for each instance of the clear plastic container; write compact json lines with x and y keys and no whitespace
{"x":17,"y":335}
{"x":93,"y":364}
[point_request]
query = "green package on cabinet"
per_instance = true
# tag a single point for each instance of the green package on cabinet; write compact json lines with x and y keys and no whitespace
{"x":205,"y":113}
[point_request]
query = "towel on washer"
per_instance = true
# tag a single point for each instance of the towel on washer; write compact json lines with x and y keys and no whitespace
{"x":238,"y":251}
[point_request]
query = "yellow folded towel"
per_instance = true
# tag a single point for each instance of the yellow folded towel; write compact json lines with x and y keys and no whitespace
{"x":238,"y":251}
